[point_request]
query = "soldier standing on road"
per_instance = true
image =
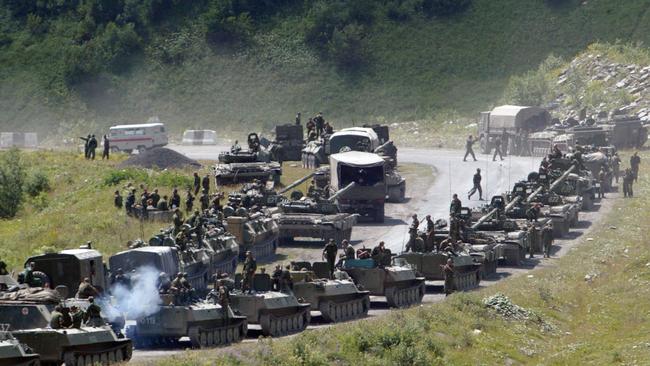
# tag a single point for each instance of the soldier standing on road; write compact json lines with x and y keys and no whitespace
{"x":329,"y":253}
{"x":504,"y":141}
{"x":497,"y":149}
{"x":616,"y":166}
{"x":628,"y":180}
{"x":107,"y":148}
{"x":92,"y":145}
{"x":547,"y":239}
{"x":476,"y":181}
{"x":448,"y":270}
{"x":635,"y":161}
{"x":533,"y":243}
{"x":117,"y":200}
{"x":93,"y":317}
{"x":602,"y":180}
{"x":197,"y":183}
{"x":468,"y":148}
{"x":250,"y":266}
{"x":189,"y":201}
{"x":205,"y":183}
{"x":456,"y":205}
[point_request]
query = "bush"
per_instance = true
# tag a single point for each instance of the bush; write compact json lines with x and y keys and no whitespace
{"x":529,"y":89}
{"x":12,"y":180}
{"x":116,"y":177}
{"x":37,"y":183}
{"x":444,"y":7}
{"x":347,"y":49}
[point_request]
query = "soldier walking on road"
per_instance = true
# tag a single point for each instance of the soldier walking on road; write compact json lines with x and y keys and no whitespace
{"x":197,"y":183}
{"x":329,"y":253}
{"x":250,"y":266}
{"x":448,"y":270}
{"x":547,"y":239}
{"x":477,"y":186}
{"x":635,"y":161}
{"x":628,"y":180}
{"x":497,"y":149}
{"x":468,"y":148}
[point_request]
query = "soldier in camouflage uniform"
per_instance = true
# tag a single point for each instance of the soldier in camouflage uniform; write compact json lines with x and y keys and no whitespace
{"x":547,"y":238}
{"x":92,"y":316}
{"x":329,"y":253}
{"x":250,"y":266}
{"x":448,"y":270}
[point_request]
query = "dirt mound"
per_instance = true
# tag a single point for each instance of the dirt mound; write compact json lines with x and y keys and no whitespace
{"x":161,"y":158}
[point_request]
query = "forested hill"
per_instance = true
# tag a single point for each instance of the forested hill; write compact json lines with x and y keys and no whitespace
{"x":68,"y":65}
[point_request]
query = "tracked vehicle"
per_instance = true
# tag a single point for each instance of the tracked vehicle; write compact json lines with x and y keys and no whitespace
{"x":429,"y":264}
{"x":255,"y":232}
{"x":337,"y":300}
{"x":277,"y":313}
{"x":397,"y":282}
{"x":13,"y":353}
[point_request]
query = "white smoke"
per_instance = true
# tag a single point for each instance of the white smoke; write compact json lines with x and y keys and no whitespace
{"x":142,"y":299}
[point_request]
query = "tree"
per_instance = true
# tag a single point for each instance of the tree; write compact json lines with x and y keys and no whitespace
{"x":12,"y":179}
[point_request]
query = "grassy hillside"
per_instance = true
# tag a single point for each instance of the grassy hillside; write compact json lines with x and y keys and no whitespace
{"x":82,"y":68}
{"x":590,"y":308}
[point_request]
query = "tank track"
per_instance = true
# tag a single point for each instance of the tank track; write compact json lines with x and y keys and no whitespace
{"x":489,"y":268}
{"x":203,"y":338}
{"x":405,"y":297}
{"x":277,"y":326}
{"x":112,"y":356}
{"x":334,"y":312}
{"x":466,"y":280}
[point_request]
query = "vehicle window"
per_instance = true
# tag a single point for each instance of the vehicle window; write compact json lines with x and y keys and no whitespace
{"x":162,"y":128}
{"x":129,"y":132}
{"x":356,"y":143}
{"x":361,"y":176}
{"x":139,"y":131}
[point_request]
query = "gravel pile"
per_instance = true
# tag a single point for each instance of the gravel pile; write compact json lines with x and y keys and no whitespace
{"x":161,"y":158}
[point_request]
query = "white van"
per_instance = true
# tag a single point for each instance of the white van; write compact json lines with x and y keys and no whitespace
{"x":199,"y":137}
{"x":137,"y":137}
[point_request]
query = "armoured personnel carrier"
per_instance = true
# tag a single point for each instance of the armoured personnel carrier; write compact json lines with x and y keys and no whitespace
{"x":336,"y":299}
{"x":429,"y":264}
{"x":277,"y":313}
{"x":13,"y":353}
{"x":254,"y":232}
{"x":397,"y":282}
{"x":206,"y":324}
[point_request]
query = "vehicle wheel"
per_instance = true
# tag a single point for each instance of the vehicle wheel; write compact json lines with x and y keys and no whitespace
{"x":141,"y":149}
{"x":379,"y":214}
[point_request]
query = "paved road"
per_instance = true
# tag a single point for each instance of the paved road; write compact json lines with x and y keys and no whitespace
{"x":452,"y":176}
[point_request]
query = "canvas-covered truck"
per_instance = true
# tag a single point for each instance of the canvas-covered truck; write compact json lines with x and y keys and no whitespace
{"x":516,"y":122}
{"x":368,"y":195}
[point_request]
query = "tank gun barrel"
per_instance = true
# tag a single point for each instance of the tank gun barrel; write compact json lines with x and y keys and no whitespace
{"x":380,"y":147}
{"x":553,"y":185}
{"x":340,"y":192}
{"x":296,"y":183}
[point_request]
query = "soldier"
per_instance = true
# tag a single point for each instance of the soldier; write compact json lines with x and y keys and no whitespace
{"x":182,"y":237}
{"x":189,"y":201}
{"x":635,"y":161}
{"x":155,"y":198}
{"x":3,"y":269}
{"x":197,"y":183}
{"x":56,"y":318}
{"x":547,"y":239}
{"x":431,"y":234}
{"x":92,"y":146}
{"x":628,"y":180}
{"x":107,"y":148}
{"x":85,"y":140}
{"x":476,"y":181}
{"x":175,"y":201}
{"x":250,"y":266}
{"x":312,"y":136}
{"x":164,"y":284}
{"x":349,"y":250}
{"x":533,"y":212}
{"x":415,"y":224}
{"x":328,"y":129}
{"x":121,"y":279}
{"x":276,"y":276}
{"x":28,"y":275}
{"x":130,"y":202}
{"x":556,"y":153}
{"x":177,"y":219}
{"x":415,"y":243}
{"x":86,"y":289}
{"x":456,"y":205}
{"x":448,"y":270}
{"x":205,"y":200}
{"x":93,"y":314}
{"x":216,"y":201}
{"x":77,"y":316}
{"x":205,"y":183}
{"x":117,"y":200}
{"x":533,"y":244}
{"x":298,"y":116}
{"x":468,"y":148}
{"x":602,"y":180}
{"x":235,"y":148}
{"x":319,"y":121}
{"x":329,"y":253}
{"x":162,"y":204}
{"x":616,"y":166}
{"x":380,"y":255}
{"x":144,"y":204}
{"x":311,"y":126}
{"x":497,"y":149}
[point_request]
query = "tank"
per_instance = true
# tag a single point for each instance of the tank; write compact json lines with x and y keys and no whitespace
{"x":252,"y":194}
{"x":398,"y":283}
{"x":277,"y":313}
{"x":255,"y":232}
{"x":206,"y":324}
{"x":247,"y":172}
{"x":253,"y":154}
{"x":74,"y":347}
{"x":13,"y":353}
{"x":467,"y":273}
{"x":337,"y":300}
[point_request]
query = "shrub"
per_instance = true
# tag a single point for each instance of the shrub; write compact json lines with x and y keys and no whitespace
{"x":347,"y":49}
{"x":444,"y":7}
{"x":116,"y":177}
{"x":37,"y":183}
{"x":12,"y":180}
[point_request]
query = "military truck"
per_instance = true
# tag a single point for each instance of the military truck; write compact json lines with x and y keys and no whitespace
{"x":254,"y":232}
{"x":68,"y":267}
{"x":368,"y":195}
{"x":336,"y":299}
{"x":290,"y":138}
{"x":14,"y":353}
{"x":517,"y":122}
{"x":277,"y":313}
{"x":206,"y":324}
{"x":398,"y":282}
{"x":348,"y":139}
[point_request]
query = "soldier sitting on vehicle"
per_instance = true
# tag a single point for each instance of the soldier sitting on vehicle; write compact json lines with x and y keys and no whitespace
{"x":86,"y":289}
{"x":77,"y":316}
{"x":92,"y":316}
{"x":415,"y":243}
{"x":381,"y":255}
{"x":27,"y":276}
{"x":286,"y":281}
{"x":164,"y":284}
{"x":56,"y":318}
{"x":235,"y":148}
{"x":277,"y":274}
{"x":250,"y":266}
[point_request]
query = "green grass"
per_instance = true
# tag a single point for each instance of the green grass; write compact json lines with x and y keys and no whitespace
{"x":577,"y":322}
{"x":80,"y":206}
{"x":423,"y":68}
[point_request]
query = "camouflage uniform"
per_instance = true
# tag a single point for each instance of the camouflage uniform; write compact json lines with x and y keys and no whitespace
{"x":92,"y":316}
{"x":56,"y":319}
{"x":450,"y":285}
{"x":330,"y":254}
{"x":547,"y":238}
{"x":250,"y":266}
